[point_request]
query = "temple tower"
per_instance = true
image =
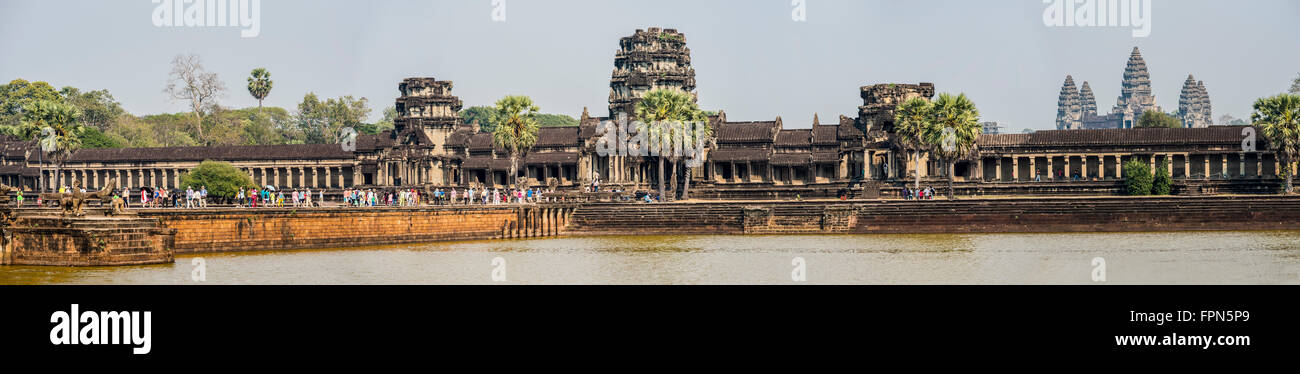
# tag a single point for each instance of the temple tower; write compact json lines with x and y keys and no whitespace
{"x":427,"y":113}
{"x":1194,"y":104}
{"x":648,"y":60}
{"x":1135,"y":95}
{"x":1088,"y":101}
{"x":1069,"y":110}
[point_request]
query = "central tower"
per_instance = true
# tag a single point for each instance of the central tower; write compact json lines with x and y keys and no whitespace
{"x":649,"y":60}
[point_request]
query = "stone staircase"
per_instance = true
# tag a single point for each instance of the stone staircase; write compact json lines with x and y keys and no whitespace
{"x":89,"y":241}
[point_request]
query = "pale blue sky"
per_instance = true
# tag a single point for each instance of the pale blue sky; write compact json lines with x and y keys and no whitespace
{"x":750,"y":58}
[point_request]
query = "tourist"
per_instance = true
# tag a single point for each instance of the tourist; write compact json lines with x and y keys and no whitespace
{"x":20,"y":198}
{"x":203,"y":196}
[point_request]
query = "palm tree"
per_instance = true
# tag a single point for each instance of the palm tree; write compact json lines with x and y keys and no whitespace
{"x":517,"y":130}
{"x":952,"y":131}
{"x":1278,"y":119}
{"x":59,"y":133}
{"x":911,"y":119}
{"x":259,"y":85}
{"x":663,"y":113}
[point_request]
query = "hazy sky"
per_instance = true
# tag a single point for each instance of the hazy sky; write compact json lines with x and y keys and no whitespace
{"x":751,"y":58}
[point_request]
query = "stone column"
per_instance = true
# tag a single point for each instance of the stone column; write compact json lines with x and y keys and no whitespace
{"x":1083,"y":166}
{"x":866,"y":164}
{"x":1259,"y":165}
{"x":1015,"y":168}
{"x":1033,"y":167}
{"x":302,"y":177}
{"x":998,"y":169}
{"x":1205,"y":160}
{"x":1152,"y":161}
{"x":1241,"y":170}
{"x":1225,"y":166}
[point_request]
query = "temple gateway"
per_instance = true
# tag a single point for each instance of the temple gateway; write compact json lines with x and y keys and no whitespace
{"x":432,"y":146}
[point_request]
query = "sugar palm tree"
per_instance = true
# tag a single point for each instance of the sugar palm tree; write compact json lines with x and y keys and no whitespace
{"x":952,"y":132}
{"x":259,"y":85}
{"x":1278,"y":120}
{"x":664,"y":114}
{"x":911,"y":119}
{"x":517,"y":129}
{"x":59,"y":134}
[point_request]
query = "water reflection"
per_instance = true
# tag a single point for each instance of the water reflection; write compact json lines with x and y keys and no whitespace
{"x":1142,"y":258}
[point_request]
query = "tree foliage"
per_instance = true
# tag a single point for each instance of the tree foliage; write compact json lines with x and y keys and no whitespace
{"x":222,"y":179}
{"x":1278,"y":120}
{"x":517,"y":130}
{"x":663,"y":113}
{"x":1163,"y":183}
{"x":487,"y":118}
{"x":1137,"y":178}
{"x":911,"y":119}
{"x":322,"y":121}
{"x":259,"y":84}
{"x":1153,"y":118}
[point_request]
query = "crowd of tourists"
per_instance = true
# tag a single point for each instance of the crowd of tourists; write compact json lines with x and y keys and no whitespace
{"x":268,"y":197}
{"x":926,"y":193}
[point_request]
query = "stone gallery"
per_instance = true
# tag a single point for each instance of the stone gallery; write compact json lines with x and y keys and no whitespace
{"x":432,"y":146}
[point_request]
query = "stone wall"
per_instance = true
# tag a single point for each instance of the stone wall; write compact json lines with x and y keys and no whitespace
{"x":227,"y":230}
{"x":940,"y":216}
{"x":86,"y":241}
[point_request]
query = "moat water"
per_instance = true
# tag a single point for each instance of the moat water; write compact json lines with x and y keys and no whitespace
{"x":1130,"y":258}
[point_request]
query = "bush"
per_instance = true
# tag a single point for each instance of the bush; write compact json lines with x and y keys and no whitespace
{"x":1163,"y":183}
{"x":1137,"y":178}
{"x":221,"y":179}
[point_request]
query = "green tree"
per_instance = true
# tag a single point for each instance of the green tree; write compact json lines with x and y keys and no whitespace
{"x":1295,"y":85}
{"x":321,"y":122}
{"x":1163,"y":183}
{"x":911,"y":119}
{"x":19,"y":94}
{"x":384,"y":124}
{"x":99,"y":110}
{"x":93,"y":138}
{"x":1278,"y":120}
{"x":259,"y":85}
{"x":487,"y":118}
{"x":222,"y":179}
{"x":1153,"y":118}
{"x":1137,"y":178}
{"x":60,"y":135}
{"x":954,"y":126}
{"x":517,"y":131}
{"x":664,"y":114}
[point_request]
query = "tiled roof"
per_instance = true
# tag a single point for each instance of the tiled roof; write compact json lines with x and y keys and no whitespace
{"x":826,"y":134}
{"x":826,"y":157}
{"x":218,"y":153}
{"x":483,"y":162}
{"x":746,"y":132}
{"x":551,"y":158}
{"x":1214,"y":135}
{"x":794,"y":138}
{"x":566,"y":136}
{"x":738,"y":154}
{"x":791,"y":159}
{"x":19,"y":170}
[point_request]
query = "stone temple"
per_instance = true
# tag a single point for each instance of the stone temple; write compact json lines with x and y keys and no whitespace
{"x":1194,"y":104}
{"x":1077,"y":109}
{"x":431,"y":146}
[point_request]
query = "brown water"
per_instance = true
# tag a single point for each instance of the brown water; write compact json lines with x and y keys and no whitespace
{"x":1142,"y":258}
